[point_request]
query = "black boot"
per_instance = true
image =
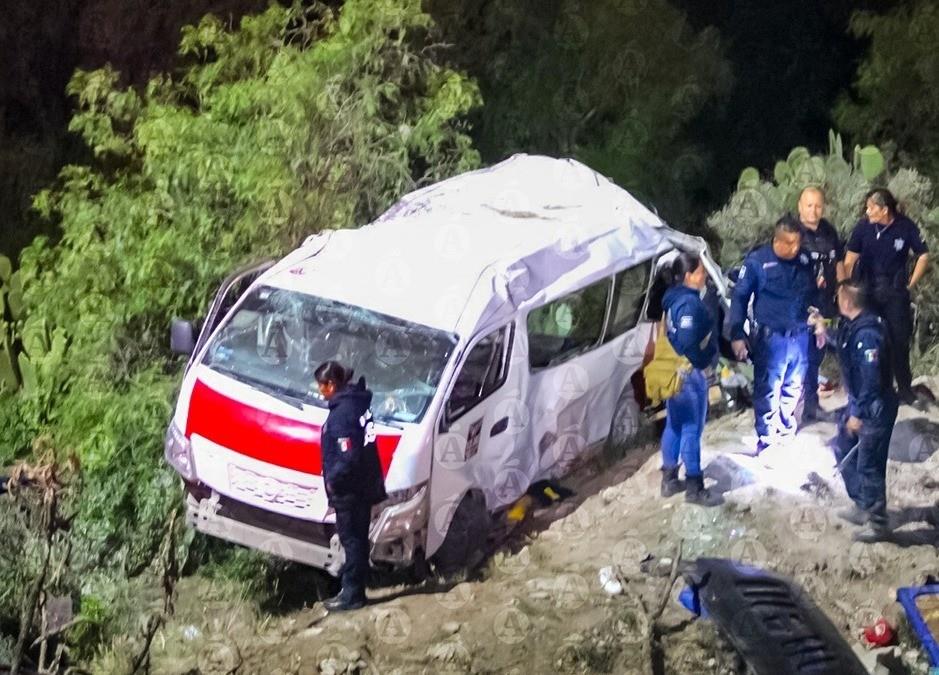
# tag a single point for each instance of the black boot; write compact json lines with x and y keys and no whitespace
{"x":671,"y":484}
{"x":696,"y":493}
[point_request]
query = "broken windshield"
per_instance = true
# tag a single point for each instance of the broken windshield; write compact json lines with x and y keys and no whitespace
{"x":277,"y":338}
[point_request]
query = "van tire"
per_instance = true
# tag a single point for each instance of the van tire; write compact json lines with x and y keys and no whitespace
{"x":626,"y":421}
{"x":464,"y":547}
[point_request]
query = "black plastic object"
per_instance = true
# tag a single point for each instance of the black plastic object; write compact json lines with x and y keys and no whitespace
{"x":770,"y":620}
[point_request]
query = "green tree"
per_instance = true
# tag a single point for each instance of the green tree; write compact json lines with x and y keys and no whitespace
{"x":299,"y":119}
{"x":612,"y":83}
{"x":896,"y":92}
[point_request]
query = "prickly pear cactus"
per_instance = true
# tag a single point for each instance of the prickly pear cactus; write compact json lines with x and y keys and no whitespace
{"x":748,"y":217}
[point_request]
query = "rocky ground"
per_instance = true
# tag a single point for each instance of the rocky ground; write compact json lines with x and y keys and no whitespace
{"x":538,"y":605}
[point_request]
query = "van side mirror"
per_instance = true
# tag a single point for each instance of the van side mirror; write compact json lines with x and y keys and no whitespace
{"x":182,"y":337}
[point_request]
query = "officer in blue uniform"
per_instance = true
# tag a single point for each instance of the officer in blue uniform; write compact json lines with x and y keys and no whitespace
{"x":878,"y":254}
{"x":352,"y":474}
{"x":690,"y":329}
{"x":780,"y":279}
{"x":821,"y":241}
{"x":867,"y":423}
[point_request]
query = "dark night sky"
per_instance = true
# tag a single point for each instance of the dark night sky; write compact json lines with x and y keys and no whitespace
{"x":790,"y":60}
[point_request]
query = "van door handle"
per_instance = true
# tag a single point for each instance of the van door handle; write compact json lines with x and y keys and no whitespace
{"x":499,"y":427}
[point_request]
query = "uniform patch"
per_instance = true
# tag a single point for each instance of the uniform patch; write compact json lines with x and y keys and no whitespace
{"x":743,"y":272}
{"x":870,"y":356}
{"x":804,"y":259}
{"x":898,"y":244}
{"x":771,"y":263}
{"x":345,"y":444}
{"x":686,"y":321}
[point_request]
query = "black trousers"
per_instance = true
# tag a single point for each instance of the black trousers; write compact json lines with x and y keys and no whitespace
{"x":865,"y":473}
{"x":894,"y":309}
{"x":352,"y":523}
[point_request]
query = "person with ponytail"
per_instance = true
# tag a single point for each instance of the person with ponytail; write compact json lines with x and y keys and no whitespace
{"x":880,"y":250}
{"x":352,"y":474}
{"x":690,"y":329}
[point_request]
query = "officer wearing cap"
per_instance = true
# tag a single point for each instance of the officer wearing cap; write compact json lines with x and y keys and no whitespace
{"x":878,"y":254}
{"x":821,"y":241}
{"x":867,"y":423}
{"x":780,"y":280}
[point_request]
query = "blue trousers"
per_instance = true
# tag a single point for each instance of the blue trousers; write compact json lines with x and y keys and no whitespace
{"x":811,"y":376}
{"x":352,"y":526}
{"x":865,"y":473}
{"x":684,"y":424}
{"x":779,"y":366}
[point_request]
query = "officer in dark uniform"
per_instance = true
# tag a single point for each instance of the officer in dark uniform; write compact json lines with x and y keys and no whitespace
{"x":867,"y":423}
{"x":878,"y":253}
{"x":820,"y":239}
{"x":352,"y":473}
{"x":690,"y":329}
{"x":780,"y":279}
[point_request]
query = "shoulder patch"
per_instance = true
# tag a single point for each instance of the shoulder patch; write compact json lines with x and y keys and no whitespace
{"x":345,"y":444}
{"x":870,"y":355}
{"x":687,"y":321}
{"x":804,"y":259}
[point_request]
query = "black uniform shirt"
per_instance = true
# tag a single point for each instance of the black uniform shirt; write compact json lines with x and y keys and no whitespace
{"x":885,"y":251}
{"x":826,"y":250}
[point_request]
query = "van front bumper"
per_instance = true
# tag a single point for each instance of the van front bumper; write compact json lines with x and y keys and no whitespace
{"x":210,"y":516}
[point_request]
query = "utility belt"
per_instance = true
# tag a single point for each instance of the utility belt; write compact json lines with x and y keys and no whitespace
{"x":765,"y":331}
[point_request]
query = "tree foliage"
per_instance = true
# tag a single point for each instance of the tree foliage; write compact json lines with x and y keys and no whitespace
{"x":612,"y":83}
{"x":896,"y":94}
{"x":297,"y":120}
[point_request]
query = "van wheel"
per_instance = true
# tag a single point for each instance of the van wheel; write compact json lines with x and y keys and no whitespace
{"x":464,"y":545}
{"x":625,"y":423}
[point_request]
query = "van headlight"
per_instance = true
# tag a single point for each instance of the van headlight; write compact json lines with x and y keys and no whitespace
{"x":178,"y":452}
{"x":402,"y":514}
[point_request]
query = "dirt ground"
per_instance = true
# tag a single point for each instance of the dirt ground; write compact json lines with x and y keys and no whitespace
{"x":538,"y":606}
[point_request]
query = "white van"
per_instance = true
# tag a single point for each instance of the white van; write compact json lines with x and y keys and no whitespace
{"x":497,"y":316}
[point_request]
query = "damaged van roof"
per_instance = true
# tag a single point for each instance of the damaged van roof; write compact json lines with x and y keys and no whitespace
{"x":462,"y":253}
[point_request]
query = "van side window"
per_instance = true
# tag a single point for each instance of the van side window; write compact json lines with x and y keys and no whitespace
{"x":484,"y":371}
{"x":629,"y":292}
{"x":568,"y":326}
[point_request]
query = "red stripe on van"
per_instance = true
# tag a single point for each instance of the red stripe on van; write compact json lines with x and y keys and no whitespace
{"x":264,"y":436}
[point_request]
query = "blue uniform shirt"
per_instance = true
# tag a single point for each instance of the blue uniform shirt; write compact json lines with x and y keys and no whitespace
{"x":782,"y":291}
{"x":826,"y":249}
{"x":885,"y":251}
{"x":690,"y":326}
{"x":865,"y":365}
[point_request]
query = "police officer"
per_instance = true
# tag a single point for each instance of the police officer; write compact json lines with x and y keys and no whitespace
{"x":821,"y":241}
{"x":691,"y":331}
{"x":352,"y":474}
{"x":780,"y":279}
{"x":867,"y":423}
{"x":878,"y":253}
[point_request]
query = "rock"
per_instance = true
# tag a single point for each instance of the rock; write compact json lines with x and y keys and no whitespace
{"x":451,"y":627}
{"x":609,"y":581}
{"x":310,"y":632}
{"x":608,"y":495}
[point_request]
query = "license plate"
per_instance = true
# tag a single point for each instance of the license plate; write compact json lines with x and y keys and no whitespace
{"x":256,"y":487}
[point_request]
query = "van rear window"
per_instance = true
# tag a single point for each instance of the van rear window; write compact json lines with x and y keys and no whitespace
{"x":276,"y":338}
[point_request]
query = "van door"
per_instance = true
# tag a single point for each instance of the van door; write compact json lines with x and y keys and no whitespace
{"x":477,"y":443}
{"x":581,"y":356}
{"x":228,"y":294}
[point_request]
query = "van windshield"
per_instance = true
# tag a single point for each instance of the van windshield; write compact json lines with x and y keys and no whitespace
{"x":277,"y":338}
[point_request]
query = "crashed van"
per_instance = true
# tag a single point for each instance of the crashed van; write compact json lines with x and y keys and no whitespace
{"x":497,"y":316}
